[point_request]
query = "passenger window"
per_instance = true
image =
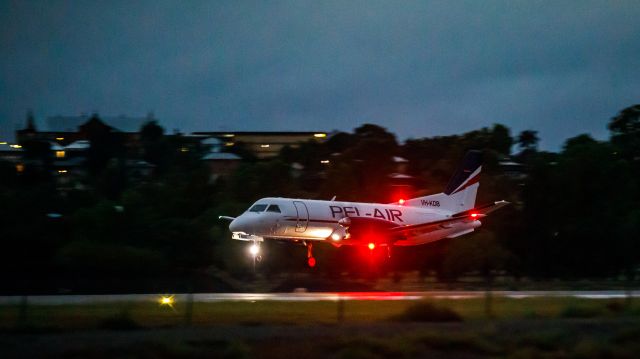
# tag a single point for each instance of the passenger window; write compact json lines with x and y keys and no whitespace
{"x":258,"y":208}
{"x":273,"y":208}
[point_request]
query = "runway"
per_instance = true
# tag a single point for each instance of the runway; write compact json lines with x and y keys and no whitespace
{"x":304,"y":296}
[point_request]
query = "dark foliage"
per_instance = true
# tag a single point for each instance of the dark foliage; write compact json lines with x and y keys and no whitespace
{"x":574,"y":214}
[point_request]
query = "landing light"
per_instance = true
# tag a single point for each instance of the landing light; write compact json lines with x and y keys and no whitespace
{"x":401,"y":201}
{"x":372,"y":246}
{"x":335,"y":237}
{"x":254,"y":249}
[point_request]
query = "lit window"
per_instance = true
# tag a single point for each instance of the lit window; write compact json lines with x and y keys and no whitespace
{"x":59,"y":138}
{"x":324,"y":162}
{"x":60,"y":154}
{"x":320,"y":135}
{"x":3,"y":142}
{"x":229,"y":135}
{"x":15,"y":146}
{"x":19,"y":168}
{"x":264,"y":146}
{"x":229,"y":144}
{"x":184,"y":149}
{"x":62,"y":171}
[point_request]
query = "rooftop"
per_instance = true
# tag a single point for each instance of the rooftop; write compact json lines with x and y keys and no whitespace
{"x":71,"y":123}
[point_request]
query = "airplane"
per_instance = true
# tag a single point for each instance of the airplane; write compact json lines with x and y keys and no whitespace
{"x":410,"y":222}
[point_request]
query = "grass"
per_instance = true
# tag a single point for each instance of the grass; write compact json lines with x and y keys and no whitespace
{"x":518,"y":328}
{"x":424,"y":311}
{"x":151,"y":314}
{"x":550,"y":341}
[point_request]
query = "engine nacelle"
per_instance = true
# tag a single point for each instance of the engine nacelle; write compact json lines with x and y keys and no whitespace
{"x":345,"y":222}
{"x":339,"y":234}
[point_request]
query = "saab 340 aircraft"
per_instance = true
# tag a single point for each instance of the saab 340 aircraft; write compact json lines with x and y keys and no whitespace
{"x":410,"y":222}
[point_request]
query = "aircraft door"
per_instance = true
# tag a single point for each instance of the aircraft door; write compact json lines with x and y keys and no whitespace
{"x":303,"y":216}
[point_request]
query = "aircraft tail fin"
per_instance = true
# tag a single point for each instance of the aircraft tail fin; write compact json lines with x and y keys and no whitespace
{"x":460,"y":193}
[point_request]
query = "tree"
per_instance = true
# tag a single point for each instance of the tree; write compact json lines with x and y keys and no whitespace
{"x":155,"y":147}
{"x":528,"y":140}
{"x":500,"y":139}
{"x":625,"y":131}
{"x":105,"y":144}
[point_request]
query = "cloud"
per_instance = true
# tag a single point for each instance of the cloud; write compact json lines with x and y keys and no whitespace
{"x":419,"y":68}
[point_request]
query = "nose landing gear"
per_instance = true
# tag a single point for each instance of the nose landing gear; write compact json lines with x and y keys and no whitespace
{"x":255,"y":253}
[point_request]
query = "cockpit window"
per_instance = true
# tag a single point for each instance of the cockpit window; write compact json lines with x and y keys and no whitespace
{"x":258,"y":208}
{"x":273,"y":208}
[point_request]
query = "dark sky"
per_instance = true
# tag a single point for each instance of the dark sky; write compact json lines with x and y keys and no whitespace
{"x":418,"y":68}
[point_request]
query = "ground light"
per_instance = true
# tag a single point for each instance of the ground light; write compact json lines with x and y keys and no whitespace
{"x":166,"y":300}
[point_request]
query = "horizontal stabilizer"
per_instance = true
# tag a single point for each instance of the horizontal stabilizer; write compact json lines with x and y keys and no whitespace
{"x":465,"y":216}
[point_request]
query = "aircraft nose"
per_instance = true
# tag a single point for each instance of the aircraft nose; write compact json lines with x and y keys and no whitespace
{"x":241,"y":224}
{"x":234,"y":225}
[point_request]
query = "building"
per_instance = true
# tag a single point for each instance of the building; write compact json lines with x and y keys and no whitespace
{"x":12,"y":153}
{"x":64,"y":130}
{"x":219,"y":163}
{"x":266,"y":144}
{"x":69,"y":138}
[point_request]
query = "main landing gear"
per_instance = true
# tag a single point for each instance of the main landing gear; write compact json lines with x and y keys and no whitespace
{"x":311,"y":261}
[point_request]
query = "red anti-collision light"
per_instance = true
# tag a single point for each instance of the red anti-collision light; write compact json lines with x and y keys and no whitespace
{"x":312,"y":262}
{"x":474,"y":215}
{"x":401,"y":201}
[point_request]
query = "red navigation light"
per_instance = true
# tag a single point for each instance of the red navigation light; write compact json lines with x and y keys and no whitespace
{"x":371,"y":246}
{"x":474,"y":215}
{"x":311,"y":262}
{"x":401,"y":201}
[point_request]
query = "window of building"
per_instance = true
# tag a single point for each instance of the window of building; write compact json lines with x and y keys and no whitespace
{"x":60,"y":154}
{"x":258,"y":208}
{"x":273,"y":208}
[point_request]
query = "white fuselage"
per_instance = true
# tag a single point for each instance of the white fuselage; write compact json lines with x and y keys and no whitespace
{"x":314,"y":220}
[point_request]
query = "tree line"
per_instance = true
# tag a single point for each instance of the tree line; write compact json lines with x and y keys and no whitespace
{"x":574,"y":212}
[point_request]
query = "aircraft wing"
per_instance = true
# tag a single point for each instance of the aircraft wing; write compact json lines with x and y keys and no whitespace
{"x":361,"y":227}
{"x":466,"y":216}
